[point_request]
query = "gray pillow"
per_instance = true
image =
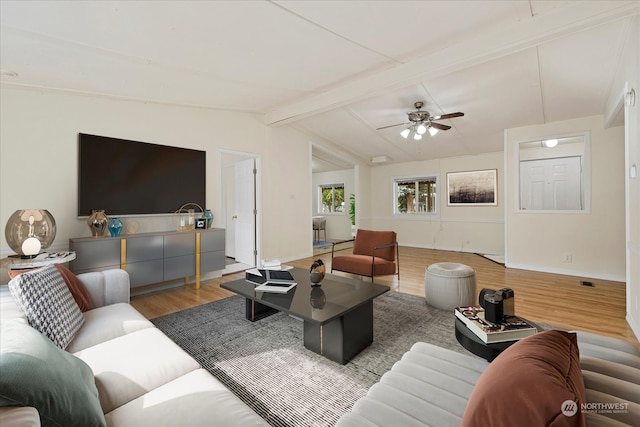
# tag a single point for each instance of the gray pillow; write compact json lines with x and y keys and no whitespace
{"x":37,"y":373}
{"x":43,"y":296}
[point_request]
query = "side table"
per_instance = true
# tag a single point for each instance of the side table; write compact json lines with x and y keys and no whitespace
{"x":13,"y":263}
{"x":475,"y":345}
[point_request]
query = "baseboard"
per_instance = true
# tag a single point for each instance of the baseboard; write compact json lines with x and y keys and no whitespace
{"x":566,"y":272}
{"x":469,"y":250}
{"x":633,"y":324}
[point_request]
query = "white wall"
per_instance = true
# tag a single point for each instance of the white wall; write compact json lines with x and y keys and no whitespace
{"x":467,"y":229}
{"x":38,"y":160}
{"x":539,"y":241}
{"x":628,"y":78}
{"x":286,"y":201}
{"x":338,"y":224}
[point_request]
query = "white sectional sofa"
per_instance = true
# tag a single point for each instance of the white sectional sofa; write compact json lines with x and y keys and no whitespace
{"x":142,"y":377}
{"x":527,"y":385}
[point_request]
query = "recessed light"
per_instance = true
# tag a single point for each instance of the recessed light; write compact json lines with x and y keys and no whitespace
{"x":8,"y":73}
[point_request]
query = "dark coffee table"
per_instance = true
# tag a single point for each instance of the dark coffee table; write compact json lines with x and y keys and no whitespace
{"x":475,"y":345}
{"x":337,"y":315}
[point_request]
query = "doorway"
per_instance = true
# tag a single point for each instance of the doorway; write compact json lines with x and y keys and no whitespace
{"x":239,"y":194}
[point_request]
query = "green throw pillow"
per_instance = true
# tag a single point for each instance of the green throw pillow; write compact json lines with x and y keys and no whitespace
{"x":37,"y":373}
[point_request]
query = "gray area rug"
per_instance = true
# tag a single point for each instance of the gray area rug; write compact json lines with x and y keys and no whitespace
{"x":266,"y":365}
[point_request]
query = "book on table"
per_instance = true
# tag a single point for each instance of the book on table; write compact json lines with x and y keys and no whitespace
{"x":279,"y":281}
{"x":512,"y":328}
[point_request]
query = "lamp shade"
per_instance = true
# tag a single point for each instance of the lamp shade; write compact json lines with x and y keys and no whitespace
{"x":30,"y":230}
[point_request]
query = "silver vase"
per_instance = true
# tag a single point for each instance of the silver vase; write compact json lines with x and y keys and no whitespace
{"x":98,"y":222}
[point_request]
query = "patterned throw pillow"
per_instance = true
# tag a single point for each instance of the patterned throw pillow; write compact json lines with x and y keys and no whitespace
{"x":43,"y":296}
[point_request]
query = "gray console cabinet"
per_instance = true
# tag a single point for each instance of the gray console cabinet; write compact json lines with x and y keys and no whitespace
{"x":212,"y":251}
{"x":144,"y":259}
{"x":152,"y":257}
{"x":94,"y":254}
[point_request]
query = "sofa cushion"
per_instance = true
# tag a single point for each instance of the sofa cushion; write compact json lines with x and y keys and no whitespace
{"x":105,"y":323}
{"x":37,"y":373}
{"x":43,"y":296}
{"x":23,"y":416}
{"x":194,"y":399}
{"x":429,"y":386}
{"x":9,"y":309}
{"x":77,"y":289}
{"x":129,"y":366}
{"x":535,"y":382}
{"x":361,"y":265}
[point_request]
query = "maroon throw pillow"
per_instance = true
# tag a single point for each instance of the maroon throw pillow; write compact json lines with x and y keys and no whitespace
{"x":76,"y":287}
{"x":535,"y":382}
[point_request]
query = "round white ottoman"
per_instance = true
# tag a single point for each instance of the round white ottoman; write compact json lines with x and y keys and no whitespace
{"x":448,"y":285}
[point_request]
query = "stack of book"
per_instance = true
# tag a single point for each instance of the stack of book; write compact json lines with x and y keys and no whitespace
{"x":511,"y":328}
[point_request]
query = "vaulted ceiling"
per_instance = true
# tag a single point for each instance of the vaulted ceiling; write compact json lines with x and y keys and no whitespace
{"x":337,"y":70}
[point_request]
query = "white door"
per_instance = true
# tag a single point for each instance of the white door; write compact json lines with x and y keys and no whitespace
{"x":244,"y":217}
{"x":551,"y":184}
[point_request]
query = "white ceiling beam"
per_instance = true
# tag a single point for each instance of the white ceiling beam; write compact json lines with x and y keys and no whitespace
{"x":564,"y":20}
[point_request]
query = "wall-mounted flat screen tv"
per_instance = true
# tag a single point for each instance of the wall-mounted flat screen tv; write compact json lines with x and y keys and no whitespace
{"x":136,"y":178}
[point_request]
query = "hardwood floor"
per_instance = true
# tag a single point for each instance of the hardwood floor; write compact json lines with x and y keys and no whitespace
{"x":552,"y":299}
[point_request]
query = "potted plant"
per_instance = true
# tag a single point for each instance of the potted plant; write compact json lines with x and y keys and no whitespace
{"x":352,"y":213}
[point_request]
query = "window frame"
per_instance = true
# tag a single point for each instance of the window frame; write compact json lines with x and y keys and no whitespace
{"x":333,"y":186}
{"x":585,"y":175}
{"x":417,"y":180}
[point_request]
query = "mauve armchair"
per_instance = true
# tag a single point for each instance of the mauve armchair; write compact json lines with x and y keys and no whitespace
{"x":375,"y":253}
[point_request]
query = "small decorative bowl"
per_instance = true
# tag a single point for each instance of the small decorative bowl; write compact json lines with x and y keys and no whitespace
{"x":316,"y":277}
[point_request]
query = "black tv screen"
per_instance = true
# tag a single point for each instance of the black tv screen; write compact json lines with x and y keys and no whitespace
{"x":135,"y":178}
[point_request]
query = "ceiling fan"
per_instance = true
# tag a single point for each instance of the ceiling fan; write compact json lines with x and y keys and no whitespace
{"x":422,"y":121}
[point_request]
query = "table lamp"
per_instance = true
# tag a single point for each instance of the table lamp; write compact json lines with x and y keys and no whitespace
{"x":29,"y":231}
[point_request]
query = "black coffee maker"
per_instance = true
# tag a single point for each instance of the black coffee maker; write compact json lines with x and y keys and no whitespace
{"x":497,"y":304}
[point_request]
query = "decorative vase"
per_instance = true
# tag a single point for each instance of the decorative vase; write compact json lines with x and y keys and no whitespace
{"x":97,"y":223}
{"x":208,"y":215}
{"x":115,"y":226}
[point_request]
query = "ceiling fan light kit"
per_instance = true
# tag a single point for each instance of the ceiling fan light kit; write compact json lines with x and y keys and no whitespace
{"x":422,"y":121}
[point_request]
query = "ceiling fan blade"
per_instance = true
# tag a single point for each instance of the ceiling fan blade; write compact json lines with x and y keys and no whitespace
{"x":390,"y":126}
{"x":448,"y":116}
{"x":440,"y":126}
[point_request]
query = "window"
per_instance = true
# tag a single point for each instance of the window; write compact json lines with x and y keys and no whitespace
{"x":415,"y":195}
{"x":331,"y":198}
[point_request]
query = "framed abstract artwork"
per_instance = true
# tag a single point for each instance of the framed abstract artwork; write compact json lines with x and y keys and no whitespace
{"x":473,"y":188}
